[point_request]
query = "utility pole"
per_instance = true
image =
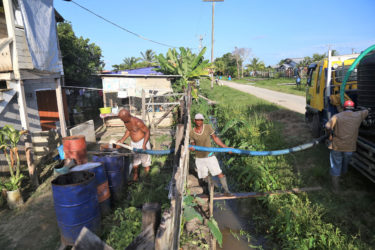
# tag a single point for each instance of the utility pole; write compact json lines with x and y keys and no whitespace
{"x":212,"y":37}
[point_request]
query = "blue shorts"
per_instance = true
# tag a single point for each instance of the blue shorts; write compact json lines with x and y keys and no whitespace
{"x":339,"y":162}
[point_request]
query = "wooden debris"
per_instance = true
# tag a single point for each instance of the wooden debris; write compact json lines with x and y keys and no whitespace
{"x":89,"y":240}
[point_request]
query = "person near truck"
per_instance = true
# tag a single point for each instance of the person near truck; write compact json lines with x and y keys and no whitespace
{"x":139,"y":135}
{"x":206,"y":162}
{"x":344,"y":128}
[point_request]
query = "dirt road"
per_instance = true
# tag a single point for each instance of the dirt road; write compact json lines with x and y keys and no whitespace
{"x":289,"y":101}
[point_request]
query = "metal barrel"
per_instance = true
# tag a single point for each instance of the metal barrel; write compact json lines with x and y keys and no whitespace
{"x":101,"y":183}
{"x":75,"y":148}
{"x":127,"y":167}
{"x":76,"y":204}
{"x":115,"y":173}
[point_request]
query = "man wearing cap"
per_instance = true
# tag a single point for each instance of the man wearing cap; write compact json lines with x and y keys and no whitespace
{"x":344,"y":128}
{"x":206,"y":163}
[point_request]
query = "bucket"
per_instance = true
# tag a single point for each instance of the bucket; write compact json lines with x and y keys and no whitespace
{"x":14,"y":199}
{"x":106,"y":110}
{"x":76,"y":204}
{"x":75,"y":148}
{"x":115,"y":173}
{"x":101,"y":184}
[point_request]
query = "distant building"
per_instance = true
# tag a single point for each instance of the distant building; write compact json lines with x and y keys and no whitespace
{"x":290,"y":63}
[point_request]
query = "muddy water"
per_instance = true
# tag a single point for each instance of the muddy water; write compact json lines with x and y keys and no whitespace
{"x":232,"y":216}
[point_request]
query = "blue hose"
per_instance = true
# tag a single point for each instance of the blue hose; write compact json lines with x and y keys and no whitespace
{"x":238,"y":151}
{"x":153,"y":152}
{"x":261,"y":153}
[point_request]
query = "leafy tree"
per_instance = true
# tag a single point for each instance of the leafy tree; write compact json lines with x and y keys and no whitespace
{"x":256,"y":65}
{"x":149,"y":57}
{"x":130,"y":62}
{"x":81,"y":59}
{"x":186,"y":64}
{"x":317,"y":57}
{"x":226,"y":65}
{"x":335,"y":53}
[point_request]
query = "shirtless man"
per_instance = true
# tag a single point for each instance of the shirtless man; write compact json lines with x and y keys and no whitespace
{"x":139,"y":135}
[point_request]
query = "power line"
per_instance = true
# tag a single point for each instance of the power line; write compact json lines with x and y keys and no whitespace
{"x":120,"y":27}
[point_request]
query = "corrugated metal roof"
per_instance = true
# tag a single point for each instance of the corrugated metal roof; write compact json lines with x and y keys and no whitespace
{"x":140,"y":71}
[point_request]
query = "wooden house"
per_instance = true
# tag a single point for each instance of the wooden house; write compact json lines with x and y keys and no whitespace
{"x":30,"y":71}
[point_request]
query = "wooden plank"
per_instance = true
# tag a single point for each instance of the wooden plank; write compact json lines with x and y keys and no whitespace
{"x":88,"y":240}
{"x":60,"y":107}
{"x":220,"y":196}
{"x":165,"y":115}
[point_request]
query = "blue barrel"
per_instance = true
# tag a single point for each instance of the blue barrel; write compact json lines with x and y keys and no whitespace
{"x":101,"y":183}
{"x":115,"y":173}
{"x":76,"y":204}
{"x":127,"y":166}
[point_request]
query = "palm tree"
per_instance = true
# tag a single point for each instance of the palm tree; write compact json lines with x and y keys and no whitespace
{"x":186,"y":64}
{"x":148,"y":57}
{"x":256,"y":65}
{"x":129,"y":62}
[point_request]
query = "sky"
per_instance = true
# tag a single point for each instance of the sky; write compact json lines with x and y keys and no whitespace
{"x":272,"y":29}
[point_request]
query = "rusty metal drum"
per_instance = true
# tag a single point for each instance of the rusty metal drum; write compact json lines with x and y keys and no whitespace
{"x":75,"y":148}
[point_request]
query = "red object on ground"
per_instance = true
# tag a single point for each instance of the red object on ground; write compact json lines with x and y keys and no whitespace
{"x":75,"y":148}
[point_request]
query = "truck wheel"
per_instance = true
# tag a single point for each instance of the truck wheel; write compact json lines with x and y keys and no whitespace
{"x":315,"y":126}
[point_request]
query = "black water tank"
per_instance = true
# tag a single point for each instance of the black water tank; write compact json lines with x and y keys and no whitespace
{"x":366,"y":81}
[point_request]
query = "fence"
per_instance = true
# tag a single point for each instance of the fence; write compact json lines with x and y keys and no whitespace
{"x":168,"y":234}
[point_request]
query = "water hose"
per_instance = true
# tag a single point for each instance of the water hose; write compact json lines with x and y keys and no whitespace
{"x":142,"y":151}
{"x":262,"y":153}
{"x":232,"y":150}
{"x":359,"y":58}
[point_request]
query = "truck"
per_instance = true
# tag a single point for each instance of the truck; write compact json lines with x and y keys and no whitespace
{"x":323,"y":100}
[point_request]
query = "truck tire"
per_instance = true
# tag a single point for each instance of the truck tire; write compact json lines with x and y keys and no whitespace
{"x":315,"y":126}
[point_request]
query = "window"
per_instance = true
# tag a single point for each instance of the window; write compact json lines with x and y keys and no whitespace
{"x":318,"y":80}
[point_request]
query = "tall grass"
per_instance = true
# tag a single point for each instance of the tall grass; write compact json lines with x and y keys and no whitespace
{"x":291,"y":221}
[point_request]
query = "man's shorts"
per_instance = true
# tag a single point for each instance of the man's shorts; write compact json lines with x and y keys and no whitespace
{"x":145,"y":159}
{"x":207,"y":164}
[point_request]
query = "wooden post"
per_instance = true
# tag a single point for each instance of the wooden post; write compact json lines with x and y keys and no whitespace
{"x":104,"y":99}
{"x":60,"y":107}
{"x":9,"y":17}
{"x":211,"y":207}
{"x":151,"y":215}
{"x":25,"y":125}
{"x":143,"y":105}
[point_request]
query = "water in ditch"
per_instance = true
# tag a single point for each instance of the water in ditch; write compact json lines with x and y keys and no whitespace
{"x":233,"y":216}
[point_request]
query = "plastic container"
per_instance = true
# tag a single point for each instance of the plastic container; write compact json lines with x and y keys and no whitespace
{"x":106,"y":110}
{"x":75,"y":148}
{"x":101,"y":183}
{"x":114,"y":167}
{"x":60,"y":149}
{"x":76,"y":204}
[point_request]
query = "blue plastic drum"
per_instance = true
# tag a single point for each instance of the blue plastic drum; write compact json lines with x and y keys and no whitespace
{"x":115,"y":173}
{"x":101,"y":182}
{"x":76,"y":204}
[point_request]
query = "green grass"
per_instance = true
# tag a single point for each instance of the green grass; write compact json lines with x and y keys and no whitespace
{"x":316,"y":220}
{"x":272,"y":84}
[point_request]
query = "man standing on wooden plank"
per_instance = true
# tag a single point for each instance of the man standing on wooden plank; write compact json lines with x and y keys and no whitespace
{"x":206,"y":162}
{"x":139,"y":135}
{"x":344,"y":129}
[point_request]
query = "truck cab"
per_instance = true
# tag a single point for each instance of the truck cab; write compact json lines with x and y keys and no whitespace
{"x":323,"y":101}
{"x":320,"y":106}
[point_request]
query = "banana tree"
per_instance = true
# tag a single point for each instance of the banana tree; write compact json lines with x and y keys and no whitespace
{"x":186,"y":64}
{"x":9,"y":139}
